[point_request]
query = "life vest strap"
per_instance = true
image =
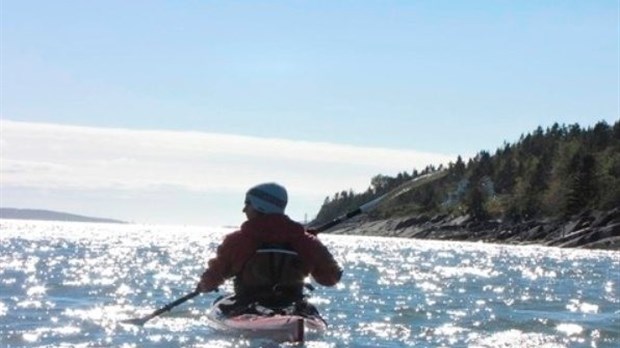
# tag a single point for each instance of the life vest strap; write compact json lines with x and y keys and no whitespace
{"x":277,"y":250}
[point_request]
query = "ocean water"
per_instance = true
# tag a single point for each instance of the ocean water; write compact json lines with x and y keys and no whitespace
{"x":71,"y":285}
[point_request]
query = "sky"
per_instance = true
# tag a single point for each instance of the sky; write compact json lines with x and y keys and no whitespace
{"x":166,"y":112}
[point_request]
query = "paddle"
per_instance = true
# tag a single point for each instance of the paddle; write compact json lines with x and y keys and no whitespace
{"x":169,"y":306}
{"x":405,"y":187}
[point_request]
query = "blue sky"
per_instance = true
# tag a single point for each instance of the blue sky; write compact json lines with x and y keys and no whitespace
{"x":319,"y":95}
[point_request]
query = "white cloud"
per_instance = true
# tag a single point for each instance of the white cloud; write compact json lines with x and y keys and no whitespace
{"x":60,"y":157}
{"x":46,"y":155}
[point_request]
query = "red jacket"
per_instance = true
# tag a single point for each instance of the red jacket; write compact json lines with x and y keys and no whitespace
{"x":239,"y":246}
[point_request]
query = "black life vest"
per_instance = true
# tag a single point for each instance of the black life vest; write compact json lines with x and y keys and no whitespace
{"x":273,"y":276}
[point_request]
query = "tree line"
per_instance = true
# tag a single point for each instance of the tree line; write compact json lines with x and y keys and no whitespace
{"x":556,"y":172}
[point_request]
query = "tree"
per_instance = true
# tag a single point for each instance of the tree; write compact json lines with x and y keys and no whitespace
{"x":600,"y":136}
{"x":379,"y":183}
{"x":476,"y":200}
{"x":483,"y":166}
{"x":506,"y":173}
{"x":583,"y":188}
{"x":609,"y":179}
{"x":458,"y":169}
{"x":429,"y":198}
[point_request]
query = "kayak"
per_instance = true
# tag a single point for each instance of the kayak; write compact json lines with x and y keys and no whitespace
{"x":281,"y":325}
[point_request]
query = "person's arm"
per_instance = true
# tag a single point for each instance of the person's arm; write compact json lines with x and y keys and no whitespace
{"x":218,"y":268}
{"x":324,"y":269}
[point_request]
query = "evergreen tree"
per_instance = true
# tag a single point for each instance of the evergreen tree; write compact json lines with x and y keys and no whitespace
{"x":458,"y":169}
{"x":506,"y":172}
{"x":583,"y":188}
{"x":600,"y":136}
{"x":476,"y":200}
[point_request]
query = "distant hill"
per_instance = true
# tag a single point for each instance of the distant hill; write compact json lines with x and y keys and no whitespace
{"x":555,"y":172}
{"x":558,"y":186}
{"x":37,"y":214}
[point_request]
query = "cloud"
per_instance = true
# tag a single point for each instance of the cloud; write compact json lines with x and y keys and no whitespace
{"x":179,"y":177}
{"x":59,"y":156}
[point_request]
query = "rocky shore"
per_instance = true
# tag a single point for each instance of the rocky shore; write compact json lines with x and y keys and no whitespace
{"x":590,"y":230}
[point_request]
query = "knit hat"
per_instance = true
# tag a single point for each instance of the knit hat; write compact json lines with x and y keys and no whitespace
{"x":268,"y":198}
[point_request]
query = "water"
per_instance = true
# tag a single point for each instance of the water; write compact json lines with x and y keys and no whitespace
{"x":70,"y":285}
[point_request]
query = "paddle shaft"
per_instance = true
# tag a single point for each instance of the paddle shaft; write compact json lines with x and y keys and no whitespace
{"x":338,"y":220}
{"x":171,"y":305}
{"x":166,"y":308}
{"x":419,"y":181}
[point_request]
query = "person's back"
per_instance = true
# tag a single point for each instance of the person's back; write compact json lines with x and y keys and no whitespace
{"x":274,"y":277}
{"x":270,"y":255}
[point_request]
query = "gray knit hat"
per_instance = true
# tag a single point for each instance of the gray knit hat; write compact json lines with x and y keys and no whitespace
{"x":268,"y":198}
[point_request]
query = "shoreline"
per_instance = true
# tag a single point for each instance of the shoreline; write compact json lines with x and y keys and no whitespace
{"x":589,"y":230}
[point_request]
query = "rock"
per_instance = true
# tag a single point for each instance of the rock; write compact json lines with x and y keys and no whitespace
{"x":586,"y":236}
{"x":612,"y":243}
{"x":593,"y":229}
{"x":607,"y":218}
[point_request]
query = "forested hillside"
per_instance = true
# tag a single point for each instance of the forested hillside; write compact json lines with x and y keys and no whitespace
{"x":555,"y":172}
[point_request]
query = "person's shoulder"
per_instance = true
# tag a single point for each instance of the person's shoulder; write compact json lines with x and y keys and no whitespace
{"x":296,"y":227}
{"x":233,"y":236}
{"x":271,"y":220}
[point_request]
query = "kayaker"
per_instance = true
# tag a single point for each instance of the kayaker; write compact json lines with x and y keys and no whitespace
{"x":269,"y":257}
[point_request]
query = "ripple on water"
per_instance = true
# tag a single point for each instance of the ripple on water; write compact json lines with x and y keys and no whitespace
{"x":68,"y":284}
